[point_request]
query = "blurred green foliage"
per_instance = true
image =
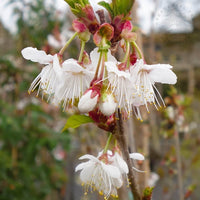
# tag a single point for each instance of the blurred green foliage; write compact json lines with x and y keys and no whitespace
{"x":30,"y":143}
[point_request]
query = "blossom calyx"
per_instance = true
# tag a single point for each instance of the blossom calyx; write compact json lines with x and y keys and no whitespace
{"x":102,"y":121}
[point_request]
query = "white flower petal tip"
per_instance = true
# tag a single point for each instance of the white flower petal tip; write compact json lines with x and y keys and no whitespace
{"x":161,"y":73}
{"x":136,"y":156}
{"x":87,"y":103}
{"x":108,"y":106}
{"x":35,"y":55}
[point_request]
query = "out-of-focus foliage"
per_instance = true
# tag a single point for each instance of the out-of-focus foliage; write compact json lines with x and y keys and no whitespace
{"x":32,"y":148}
{"x":35,"y":20}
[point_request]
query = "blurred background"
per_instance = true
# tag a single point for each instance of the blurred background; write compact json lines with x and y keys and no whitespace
{"x":37,"y":161}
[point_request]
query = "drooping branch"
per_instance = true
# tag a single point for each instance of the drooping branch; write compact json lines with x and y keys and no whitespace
{"x":121,"y":138}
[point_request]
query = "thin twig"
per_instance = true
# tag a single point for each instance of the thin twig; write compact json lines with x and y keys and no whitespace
{"x":120,"y":136}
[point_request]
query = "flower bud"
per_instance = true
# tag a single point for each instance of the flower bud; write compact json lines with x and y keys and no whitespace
{"x":88,"y":101}
{"x":127,"y":33}
{"x":107,"y":104}
{"x":82,"y":30}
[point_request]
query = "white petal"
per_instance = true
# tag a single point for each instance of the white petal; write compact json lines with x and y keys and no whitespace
{"x":35,"y":55}
{"x":108,"y":107}
{"x":111,"y":170}
{"x":56,"y":66}
{"x":90,"y":157}
{"x":112,"y":68}
{"x":82,"y":166}
{"x":94,"y":56}
{"x":71,"y":65}
{"x":161,"y":73}
{"x":87,"y":173}
{"x":117,"y":182}
{"x":122,"y":164}
{"x":136,"y":156}
{"x":86,"y":103}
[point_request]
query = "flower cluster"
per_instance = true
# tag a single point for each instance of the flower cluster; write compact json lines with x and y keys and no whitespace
{"x":72,"y":83}
{"x":97,"y":84}
{"x":105,"y":172}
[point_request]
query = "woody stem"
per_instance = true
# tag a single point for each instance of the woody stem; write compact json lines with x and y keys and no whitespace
{"x":120,"y":136}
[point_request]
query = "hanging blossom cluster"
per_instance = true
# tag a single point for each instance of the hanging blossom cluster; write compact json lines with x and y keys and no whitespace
{"x":98,"y":84}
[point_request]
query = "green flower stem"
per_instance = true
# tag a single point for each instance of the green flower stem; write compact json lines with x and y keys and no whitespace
{"x":107,"y":143}
{"x":103,"y":65}
{"x":98,"y":65}
{"x":116,"y":143}
{"x":67,"y":43}
{"x":127,"y":52}
{"x":82,"y":50}
{"x":106,"y":72}
{"x":138,"y":50}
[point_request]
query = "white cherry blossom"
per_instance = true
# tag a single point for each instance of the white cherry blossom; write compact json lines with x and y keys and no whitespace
{"x":75,"y":79}
{"x":98,"y":174}
{"x":121,"y":86}
{"x":144,"y":77}
{"x":48,"y":77}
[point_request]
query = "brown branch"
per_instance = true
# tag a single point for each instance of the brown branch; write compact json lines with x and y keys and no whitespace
{"x":121,"y":139}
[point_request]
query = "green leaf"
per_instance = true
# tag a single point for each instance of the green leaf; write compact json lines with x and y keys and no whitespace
{"x":122,"y":7}
{"x":76,"y":120}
